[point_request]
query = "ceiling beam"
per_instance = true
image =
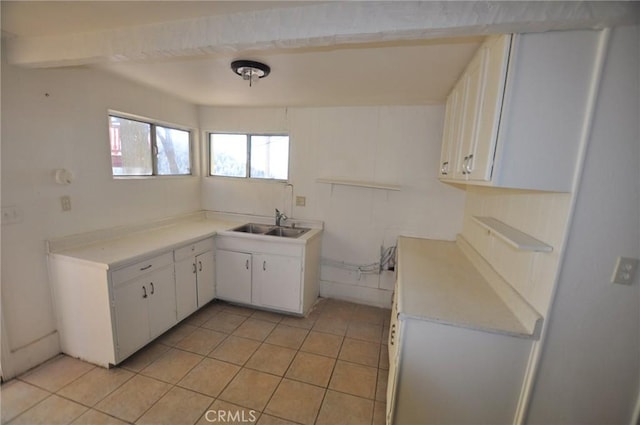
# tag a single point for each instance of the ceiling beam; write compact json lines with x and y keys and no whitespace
{"x":314,"y":25}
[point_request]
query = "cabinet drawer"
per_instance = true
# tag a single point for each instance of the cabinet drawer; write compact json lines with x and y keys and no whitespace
{"x":193,"y":249}
{"x":140,"y":268}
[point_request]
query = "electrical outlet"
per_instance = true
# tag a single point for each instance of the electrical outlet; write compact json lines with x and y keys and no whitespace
{"x":65,"y":201}
{"x":625,"y":270}
{"x":11,"y":215}
{"x":301,"y":201}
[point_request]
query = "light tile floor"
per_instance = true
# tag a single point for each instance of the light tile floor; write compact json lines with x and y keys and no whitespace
{"x":224,"y":364}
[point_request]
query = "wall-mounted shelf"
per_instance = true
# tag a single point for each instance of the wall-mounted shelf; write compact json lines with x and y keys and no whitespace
{"x":512,"y":236}
{"x":357,"y":183}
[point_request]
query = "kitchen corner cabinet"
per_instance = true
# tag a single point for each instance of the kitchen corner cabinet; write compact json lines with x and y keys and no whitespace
{"x":519,"y":108}
{"x":106,"y":312}
{"x":280,"y":275}
{"x":195,"y":276}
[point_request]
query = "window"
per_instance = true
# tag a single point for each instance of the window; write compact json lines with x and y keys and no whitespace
{"x":257,"y":156}
{"x":143,"y":148}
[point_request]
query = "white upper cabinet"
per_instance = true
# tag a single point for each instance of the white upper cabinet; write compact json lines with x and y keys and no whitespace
{"x":472,"y":114}
{"x":450,"y":137}
{"x":495,"y":55}
{"x":514,"y":119}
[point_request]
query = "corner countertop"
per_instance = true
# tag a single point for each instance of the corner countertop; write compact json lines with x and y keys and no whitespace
{"x":114,"y":252}
{"x":437,"y":282}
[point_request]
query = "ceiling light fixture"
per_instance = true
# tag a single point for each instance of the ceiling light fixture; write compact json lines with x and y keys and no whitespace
{"x":250,"y":70}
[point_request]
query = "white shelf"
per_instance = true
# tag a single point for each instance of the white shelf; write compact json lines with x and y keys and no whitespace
{"x":356,"y":183}
{"x":512,"y":236}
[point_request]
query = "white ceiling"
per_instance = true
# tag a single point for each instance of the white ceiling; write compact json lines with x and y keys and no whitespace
{"x":399,"y":72}
{"x":390,"y":73}
{"x":320,"y":53}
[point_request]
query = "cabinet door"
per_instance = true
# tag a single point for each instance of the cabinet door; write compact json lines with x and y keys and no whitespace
{"x":471,"y":97}
{"x":394,"y":359}
{"x":186,"y":287}
{"x":132,"y":320}
{"x":206,"y":277}
{"x":233,"y":276}
{"x":277,"y":282}
{"x":161,"y":301}
{"x":450,"y":137}
{"x":495,"y":58}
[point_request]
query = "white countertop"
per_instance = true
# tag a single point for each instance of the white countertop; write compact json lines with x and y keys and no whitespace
{"x":118,"y":251}
{"x":437,"y":282}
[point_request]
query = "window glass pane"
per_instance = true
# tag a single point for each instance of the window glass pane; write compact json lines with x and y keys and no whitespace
{"x":173,"y":151}
{"x":130,"y":147}
{"x":270,"y":157}
{"x":228,"y":155}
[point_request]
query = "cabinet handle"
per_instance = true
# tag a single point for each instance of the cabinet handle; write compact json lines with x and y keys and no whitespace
{"x":194,"y":268}
{"x":146,"y":267}
{"x":144,"y":292}
{"x":264,"y":265}
{"x":152,"y":289}
{"x":469,"y":162}
{"x":445,"y":168}
{"x":200,"y":265}
{"x":464,"y":165}
{"x":247,"y":264}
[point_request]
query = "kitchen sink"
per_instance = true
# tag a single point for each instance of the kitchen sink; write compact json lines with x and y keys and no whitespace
{"x":269,"y":230}
{"x":253,"y":228}
{"x":287,"y":232}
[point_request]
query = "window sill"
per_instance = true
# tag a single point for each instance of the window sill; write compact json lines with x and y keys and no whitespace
{"x":153,"y":177}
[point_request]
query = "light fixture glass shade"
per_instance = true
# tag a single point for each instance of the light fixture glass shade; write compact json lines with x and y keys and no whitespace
{"x":250,"y":70}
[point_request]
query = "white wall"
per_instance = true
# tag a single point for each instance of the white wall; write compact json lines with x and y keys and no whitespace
{"x":590,"y":368}
{"x":391,"y":144}
{"x":543,"y":215}
{"x":53,"y":119}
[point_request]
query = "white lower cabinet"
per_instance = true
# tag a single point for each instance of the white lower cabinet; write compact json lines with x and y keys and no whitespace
{"x":233,"y":276}
{"x":457,"y":353}
{"x":106,"y":313}
{"x":107,"y":309}
{"x":206,"y":277}
{"x":277,"y":282}
{"x":279,"y":275}
{"x":195,"y":276}
{"x":144,"y":307}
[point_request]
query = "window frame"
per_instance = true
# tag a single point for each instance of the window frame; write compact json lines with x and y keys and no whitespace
{"x":247,"y":176}
{"x":154,"y":146}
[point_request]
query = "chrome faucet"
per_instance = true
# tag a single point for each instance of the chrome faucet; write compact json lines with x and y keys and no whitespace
{"x":279,"y":217}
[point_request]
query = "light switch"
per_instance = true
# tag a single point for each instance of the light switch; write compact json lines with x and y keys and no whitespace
{"x":65,"y":201}
{"x":625,"y":270}
{"x":301,"y":201}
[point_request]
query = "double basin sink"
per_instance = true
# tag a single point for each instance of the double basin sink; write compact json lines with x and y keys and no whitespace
{"x":270,"y":230}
